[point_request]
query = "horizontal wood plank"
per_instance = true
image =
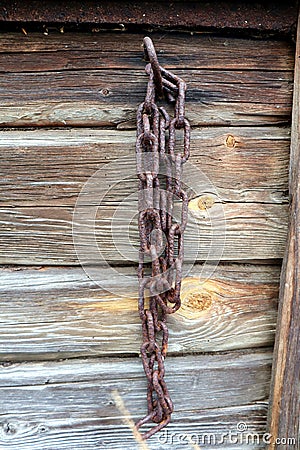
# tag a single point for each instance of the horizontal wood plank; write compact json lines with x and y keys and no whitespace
{"x":110,"y":97}
{"x":100,"y":80}
{"x":37,"y":52}
{"x":50,"y":167}
{"x":202,"y":427}
{"x":51,"y":312}
{"x":58,"y":404}
{"x":43,"y":235}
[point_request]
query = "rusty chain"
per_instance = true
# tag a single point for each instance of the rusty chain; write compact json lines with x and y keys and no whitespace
{"x":161,"y":236}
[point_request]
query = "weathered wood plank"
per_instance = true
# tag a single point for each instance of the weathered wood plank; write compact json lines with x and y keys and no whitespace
{"x":46,"y":312}
{"x":209,"y":427}
{"x":49,"y":167}
{"x":43,"y":235}
{"x":37,"y":52}
{"x":58,"y":404}
{"x":110,"y":97}
{"x":284,"y":418}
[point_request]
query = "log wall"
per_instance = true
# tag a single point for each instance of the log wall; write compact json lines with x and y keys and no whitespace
{"x":67,"y":109}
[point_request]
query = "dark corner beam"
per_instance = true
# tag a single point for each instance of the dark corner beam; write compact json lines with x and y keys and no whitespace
{"x":263,"y":16}
{"x":284,"y":410}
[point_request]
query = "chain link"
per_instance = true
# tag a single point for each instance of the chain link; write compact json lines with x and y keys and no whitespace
{"x":161,"y":236}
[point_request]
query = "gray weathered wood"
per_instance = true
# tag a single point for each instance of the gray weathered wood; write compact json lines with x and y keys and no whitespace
{"x":49,"y":167}
{"x":110,"y":97}
{"x":43,"y":235}
{"x":72,"y":432}
{"x":99,"y":80}
{"x":284,"y":416}
{"x":63,"y":404}
{"x":50,"y":312}
{"x":57,"y":311}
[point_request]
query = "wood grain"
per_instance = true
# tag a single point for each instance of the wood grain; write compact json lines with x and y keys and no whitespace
{"x":284,"y":417}
{"x":110,"y":98}
{"x":70,"y":432}
{"x":57,"y":312}
{"x":91,"y":82}
{"x":43,"y":235}
{"x":37,"y":52}
{"x":49,"y":312}
{"x":49,"y":167}
{"x":58,"y":404}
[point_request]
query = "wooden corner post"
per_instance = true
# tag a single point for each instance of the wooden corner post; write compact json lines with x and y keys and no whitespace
{"x":284,"y":411}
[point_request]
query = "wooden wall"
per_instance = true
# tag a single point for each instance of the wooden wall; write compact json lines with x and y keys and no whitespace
{"x":67,"y":107}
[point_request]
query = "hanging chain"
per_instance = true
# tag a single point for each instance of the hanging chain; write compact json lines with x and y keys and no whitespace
{"x":159,"y":170}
